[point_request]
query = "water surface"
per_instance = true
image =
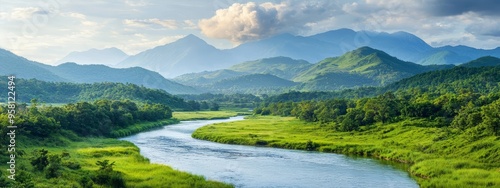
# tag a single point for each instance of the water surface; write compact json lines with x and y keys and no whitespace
{"x":248,"y":166}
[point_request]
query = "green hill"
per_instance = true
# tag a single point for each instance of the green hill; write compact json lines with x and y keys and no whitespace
{"x":63,"y":92}
{"x":362,"y":67}
{"x":487,"y":61}
{"x":283,"y":67}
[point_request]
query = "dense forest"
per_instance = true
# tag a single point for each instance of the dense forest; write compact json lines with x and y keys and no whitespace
{"x":48,"y":125}
{"x":63,"y":92}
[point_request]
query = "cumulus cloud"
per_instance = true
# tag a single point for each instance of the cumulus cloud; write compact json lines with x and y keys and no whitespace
{"x":457,"y":7}
{"x":251,"y":21}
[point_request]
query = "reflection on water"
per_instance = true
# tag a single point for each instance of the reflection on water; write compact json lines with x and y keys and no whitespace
{"x":247,"y":166}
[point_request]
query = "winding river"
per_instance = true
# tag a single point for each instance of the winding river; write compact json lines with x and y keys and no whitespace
{"x":248,"y":166}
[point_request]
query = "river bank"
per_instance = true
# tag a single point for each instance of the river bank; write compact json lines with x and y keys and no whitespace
{"x":78,"y":166}
{"x":245,"y":166}
{"x":438,"y":157}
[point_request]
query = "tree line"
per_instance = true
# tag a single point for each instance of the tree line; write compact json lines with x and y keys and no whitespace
{"x":98,"y":118}
{"x":467,"y":110}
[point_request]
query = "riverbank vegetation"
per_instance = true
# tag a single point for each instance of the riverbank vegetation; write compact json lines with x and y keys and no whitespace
{"x":445,"y":124}
{"x":203,"y":115}
{"x":68,"y":146}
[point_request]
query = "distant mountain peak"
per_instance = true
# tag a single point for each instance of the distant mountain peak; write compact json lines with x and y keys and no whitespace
{"x":191,"y":39}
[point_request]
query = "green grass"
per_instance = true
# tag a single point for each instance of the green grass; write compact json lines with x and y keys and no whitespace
{"x":204,"y":115}
{"x":438,"y":157}
{"x":137,"y":170}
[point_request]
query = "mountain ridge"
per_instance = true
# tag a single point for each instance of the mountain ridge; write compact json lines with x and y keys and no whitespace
{"x":177,"y":58}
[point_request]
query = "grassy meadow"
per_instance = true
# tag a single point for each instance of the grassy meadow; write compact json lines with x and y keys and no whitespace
{"x":437,"y":157}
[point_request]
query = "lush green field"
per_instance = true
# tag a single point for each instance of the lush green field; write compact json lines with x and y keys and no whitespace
{"x":203,"y":115}
{"x":438,"y":157}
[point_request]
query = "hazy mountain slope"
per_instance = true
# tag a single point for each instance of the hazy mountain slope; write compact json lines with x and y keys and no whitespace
{"x":283,"y":67}
{"x":207,"y":77}
{"x":135,"y":75}
{"x":253,"y":83}
{"x":402,"y":45}
{"x":487,"y":61}
{"x":287,"y":45}
{"x":441,"y":57}
{"x":187,"y":55}
{"x":108,"y":56}
{"x":11,"y":64}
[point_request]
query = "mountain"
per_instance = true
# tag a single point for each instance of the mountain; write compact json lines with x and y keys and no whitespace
{"x":191,"y":54}
{"x":108,"y":56}
{"x":135,"y":75}
{"x":362,"y":67}
{"x":253,"y":83}
{"x":296,"y":47}
{"x":441,"y":57}
{"x":187,"y":55}
{"x":403,"y":45}
{"x":207,"y":77}
{"x":486,"y":61}
{"x":11,"y":64}
{"x":283,"y":67}
{"x":72,"y":72}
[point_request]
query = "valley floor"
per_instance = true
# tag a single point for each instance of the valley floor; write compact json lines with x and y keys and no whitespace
{"x":437,"y":157}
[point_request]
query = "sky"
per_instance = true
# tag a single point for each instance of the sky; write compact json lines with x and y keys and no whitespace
{"x":47,"y":30}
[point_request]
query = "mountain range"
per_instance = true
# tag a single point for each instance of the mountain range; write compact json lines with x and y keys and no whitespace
{"x":364,"y":66}
{"x":191,"y":54}
{"x":11,"y":64}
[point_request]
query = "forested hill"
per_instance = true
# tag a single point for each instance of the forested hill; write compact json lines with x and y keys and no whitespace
{"x":361,"y":67}
{"x":62,"y":92}
{"x":481,"y":80}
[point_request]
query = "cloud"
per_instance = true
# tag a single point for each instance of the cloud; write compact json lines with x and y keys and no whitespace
{"x":485,"y":27}
{"x":251,"y":21}
{"x":170,"y":24}
{"x":457,"y":7}
{"x":23,"y":13}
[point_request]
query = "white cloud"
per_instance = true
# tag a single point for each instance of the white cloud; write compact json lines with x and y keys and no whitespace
{"x":245,"y":22}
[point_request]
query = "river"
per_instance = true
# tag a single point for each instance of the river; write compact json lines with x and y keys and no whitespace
{"x":248,"y":166}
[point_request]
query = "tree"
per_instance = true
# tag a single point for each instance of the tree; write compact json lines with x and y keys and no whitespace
{"x":214,"y":106}
{"x":40,"y":159}
{"x":491,"y":117}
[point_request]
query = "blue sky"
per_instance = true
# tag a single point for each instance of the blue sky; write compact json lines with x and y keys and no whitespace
{"x":47,"y":30}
